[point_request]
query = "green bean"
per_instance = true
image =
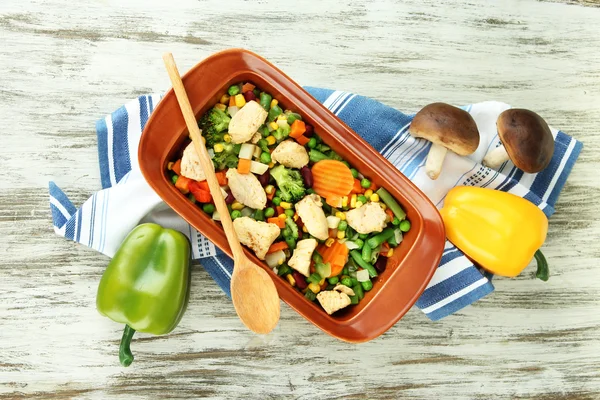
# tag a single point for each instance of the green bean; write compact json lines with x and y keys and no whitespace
{"x":344,"y":271}
{"x":310,"y":295}
{"x":316,"y":156}
{"x":263,"y":144}
{"x":354,"y":299}
{"x":274,"y":112}
{"x":259,"y":215}
{"x":265,"y":100}
{"x":284,"y":269}
{"x":323,"y":148}
{"x":314,"y":278}
{"x":265,"y":157}
{"x":291,"y":242}
{"x":359,"y":243}
{"x":292,"y":117}
{"x":363,"y":236}
{"x":366,"y":252}
{"x":367,"y":285}
{"x":310,"y":191}
{"x":392,"y":204}
{"x":316,"y":257}
{"x":379,"y":239}
{"x":356,"y":256}
{"x":346,"y":281}
{"x":358,"y":291}
{"x":354,"y":281}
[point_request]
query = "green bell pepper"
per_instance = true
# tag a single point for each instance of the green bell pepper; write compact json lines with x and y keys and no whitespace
{"x":146,"y":284}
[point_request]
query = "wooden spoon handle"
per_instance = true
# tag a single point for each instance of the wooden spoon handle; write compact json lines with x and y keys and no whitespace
{"x":205,"y":161}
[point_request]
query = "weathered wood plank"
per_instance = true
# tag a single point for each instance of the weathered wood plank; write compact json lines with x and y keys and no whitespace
{"x":63,"y":67}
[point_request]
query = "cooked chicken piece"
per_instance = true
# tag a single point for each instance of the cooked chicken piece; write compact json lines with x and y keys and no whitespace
{"x":257,"y":136}
{"x":246,"y":122}
{"x":257,"y":235}
{"x":190,"y":164}
{"x":290,"y":154}
{"x":344,"y":289}
{"x":300,"y":260}
{"x":332,"y":300}
{"x":310,"y":210}
{"x":367,"y":218}
{"x":246,"y":189}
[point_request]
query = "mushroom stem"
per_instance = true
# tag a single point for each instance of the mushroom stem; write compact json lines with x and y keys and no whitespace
{"x":435,"y":159}
{"x":495,"y":158}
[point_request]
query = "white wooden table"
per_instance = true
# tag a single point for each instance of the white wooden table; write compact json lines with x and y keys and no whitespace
{"x":64,"y":64}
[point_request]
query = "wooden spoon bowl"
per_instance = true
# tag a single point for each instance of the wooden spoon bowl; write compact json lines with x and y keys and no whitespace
{"x":253,"y":292}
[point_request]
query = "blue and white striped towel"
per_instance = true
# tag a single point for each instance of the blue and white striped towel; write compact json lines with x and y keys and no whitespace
{"x":126,"y":199}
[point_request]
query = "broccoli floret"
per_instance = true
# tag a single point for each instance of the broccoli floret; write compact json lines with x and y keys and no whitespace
{"x":289,"y":182}
{"x":226,"y":158}
{"x":334,"y":156}
{"x":213,"y":124}
{"x":281,"y":133}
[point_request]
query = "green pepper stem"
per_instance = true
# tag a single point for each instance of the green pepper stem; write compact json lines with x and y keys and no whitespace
{"x":542,"y":266}
{"x":125,"y":355}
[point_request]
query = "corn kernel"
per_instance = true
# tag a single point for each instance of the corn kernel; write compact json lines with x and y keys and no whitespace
{"x":353,"y":201}
{"x":224,"y":99}
{"x":322,"y":281}
{"x":170,"y":165}
{"x":236,"y":205}
{"x":273,"y":125}
{"x":271,"y":164}
{"x":240,"y":101}
{"x":285,"y":205}
{"x":218,"y":148}
{"x":227,"y":138}
{"x":296,"y":217}
{"x":383,"y":206}
{"x":282,"y":117}
{"x":329,"y":242}
{"x":375,"y":197}
{"x":341,"y":215}
{"x":359,"y":204}
{"x":274,"y":103}
{"x":345,"y":201}
{"x":283,"y":216}
{"x":341,"y":234}
{"x":304,"y":229}
{"x":291,"y":279}
{"x":269,"y":189}
{"x":271,"y":140}
{"x":390,"y":252}
{"x":220,"y":107}
{"x":368,"y":193}
{"x":281,"y":261}
{"x":314,"y":288}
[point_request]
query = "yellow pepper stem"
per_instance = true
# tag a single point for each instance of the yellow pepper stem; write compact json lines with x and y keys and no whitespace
{"x":542,"y":266}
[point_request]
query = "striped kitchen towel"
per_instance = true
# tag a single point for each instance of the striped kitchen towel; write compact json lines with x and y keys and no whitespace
{"x":126,"y":199}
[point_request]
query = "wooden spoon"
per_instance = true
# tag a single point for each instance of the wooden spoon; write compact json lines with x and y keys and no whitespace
{"x":253,"y":292}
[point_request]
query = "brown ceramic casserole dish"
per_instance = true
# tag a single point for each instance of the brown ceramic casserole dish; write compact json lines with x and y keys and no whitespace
{"x":413,"y":263}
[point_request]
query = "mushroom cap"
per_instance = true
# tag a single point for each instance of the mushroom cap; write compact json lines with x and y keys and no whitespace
{"x":526,"y":138}
{"x":447,"y":126}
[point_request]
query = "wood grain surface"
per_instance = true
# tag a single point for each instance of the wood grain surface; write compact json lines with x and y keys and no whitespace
{"x":64,"y":64}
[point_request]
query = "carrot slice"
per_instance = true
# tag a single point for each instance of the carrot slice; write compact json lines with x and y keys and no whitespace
{"x":334,"y":201}
{"x":232,"y":101}
{"x":277,"y":246}
{"x":221,"y":178}
{"x":357,"y":188}
{"x":302,"y":140}
{"x":373,"y":187}
{"x":280,"y":222}
{"x":298,"y":128}
{"x":336,"y":255}
{"x":183,"y":184}
{"x":247,"y":87}
{"x":270,"y":196}
{"x":280,"y":210}
{"x":332,"y":178}
{"x":244,"y":166}
{"x":177,"y":167}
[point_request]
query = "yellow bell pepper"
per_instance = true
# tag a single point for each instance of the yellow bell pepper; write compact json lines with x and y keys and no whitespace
{"x":500,"y":231}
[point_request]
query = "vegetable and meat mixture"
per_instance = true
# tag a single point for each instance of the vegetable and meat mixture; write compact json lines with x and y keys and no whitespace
{"x":315,"y":220}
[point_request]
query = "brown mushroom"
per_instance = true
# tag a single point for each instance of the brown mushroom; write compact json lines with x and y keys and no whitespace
{"x":447,"y":128}
{"x":526,"y":140}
